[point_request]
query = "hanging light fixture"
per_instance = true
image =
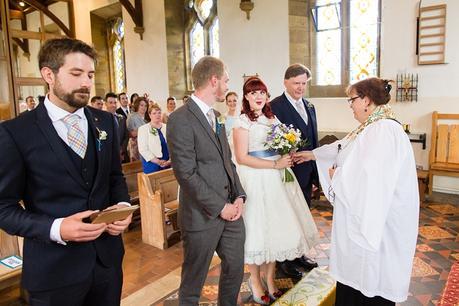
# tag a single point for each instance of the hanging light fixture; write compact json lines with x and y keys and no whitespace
{"x":21,"y":3}
{"x":246,"y":6}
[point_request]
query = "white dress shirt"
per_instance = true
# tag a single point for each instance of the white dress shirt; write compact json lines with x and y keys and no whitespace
{"x":293,"y":102}
{"x":202,"y":106}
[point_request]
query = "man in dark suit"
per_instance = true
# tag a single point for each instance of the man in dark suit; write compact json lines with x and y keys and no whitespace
{"x":124,"y":108}
{"x":62,"y":161}
{"x":211,"y":195}
{"x":292,"y":108}
{"x":110,"y":106}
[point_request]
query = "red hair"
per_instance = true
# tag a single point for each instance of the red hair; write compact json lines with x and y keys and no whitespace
{"x":254,"y":84}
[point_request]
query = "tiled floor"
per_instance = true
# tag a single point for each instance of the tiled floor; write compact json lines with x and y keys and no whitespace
{"x":437,"y":249}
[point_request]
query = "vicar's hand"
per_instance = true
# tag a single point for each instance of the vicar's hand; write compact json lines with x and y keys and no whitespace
{"x":331,"y":172}
{"x":118,"y":227}
{"x":74,"y":229}
{"x":229,"y":212}
{"x":303,"y":156}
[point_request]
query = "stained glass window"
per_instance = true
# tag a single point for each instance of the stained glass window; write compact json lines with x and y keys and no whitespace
{"x":118,"y":55}
{"x":196,"y":43}
{"x":204,"y":8}
{"x":203,"y":32}
{"x":214,"y":38}
{"x":363,"y":39}
{"x":359,"y":31}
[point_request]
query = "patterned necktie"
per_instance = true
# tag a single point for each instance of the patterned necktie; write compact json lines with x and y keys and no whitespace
{"x":211,"y":118}
{"x":300,"y":108}
{"x":75,"y":136}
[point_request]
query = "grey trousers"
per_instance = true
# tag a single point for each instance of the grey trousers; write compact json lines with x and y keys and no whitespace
{"x":227,"y":239}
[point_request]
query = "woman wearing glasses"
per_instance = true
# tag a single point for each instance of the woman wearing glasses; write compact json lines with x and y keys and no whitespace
{"x":370,"y":178}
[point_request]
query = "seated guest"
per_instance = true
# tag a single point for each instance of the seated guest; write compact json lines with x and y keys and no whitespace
{"x":110,"y":106}
{"x":185,"y":99}
{"x":30,"y":101}
{"x":171,"y":104}
{"x":152,"y":142}
{"x":231,"y":116}
{"x":97,"y":102}
{"x":133,"y":97}
{"x":124,"y":108}
{"x":135,"y":120}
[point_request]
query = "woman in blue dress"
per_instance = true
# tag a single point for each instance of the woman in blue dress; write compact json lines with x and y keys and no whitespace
{"x":152,"y":142}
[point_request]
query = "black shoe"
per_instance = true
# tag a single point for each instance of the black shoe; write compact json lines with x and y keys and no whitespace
{"x":306,"y":263}
{"x":289,"y":268}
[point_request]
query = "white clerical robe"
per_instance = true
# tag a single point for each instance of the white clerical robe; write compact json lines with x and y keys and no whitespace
{"x":376,"y":209}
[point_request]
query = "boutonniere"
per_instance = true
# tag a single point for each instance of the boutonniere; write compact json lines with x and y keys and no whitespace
{"x":220,"y":124}
{"x":119,"y":116}
{"x":154,"y":131}
{"x":221,"y":120}
{"x":102,"y":136}
{"x":309,"y":105}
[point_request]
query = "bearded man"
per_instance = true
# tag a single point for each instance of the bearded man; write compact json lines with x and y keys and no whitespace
{"x":62,"y":160}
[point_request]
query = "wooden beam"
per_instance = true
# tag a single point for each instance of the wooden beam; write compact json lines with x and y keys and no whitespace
{"x":136,"y":13}
{"x":16,"y":14}
{"x":37,"y":5}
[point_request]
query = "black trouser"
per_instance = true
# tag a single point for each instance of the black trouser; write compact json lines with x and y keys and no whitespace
{"x":102,"y":287}
{"x":348,"y":296}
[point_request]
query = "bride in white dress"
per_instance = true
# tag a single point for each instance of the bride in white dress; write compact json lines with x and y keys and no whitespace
{"x":279,"y":225}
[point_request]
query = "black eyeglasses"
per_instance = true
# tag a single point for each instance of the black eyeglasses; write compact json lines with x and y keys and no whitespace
{"x":351,"y":100}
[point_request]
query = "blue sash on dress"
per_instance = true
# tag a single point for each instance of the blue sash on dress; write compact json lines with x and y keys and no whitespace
{"x":263,"y":153}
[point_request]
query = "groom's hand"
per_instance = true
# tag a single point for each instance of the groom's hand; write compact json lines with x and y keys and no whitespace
{"x":239,"y":202}
{"x":229,"y":211}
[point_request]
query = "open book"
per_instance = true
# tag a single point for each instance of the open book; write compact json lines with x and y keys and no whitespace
{"x":113,"y":214}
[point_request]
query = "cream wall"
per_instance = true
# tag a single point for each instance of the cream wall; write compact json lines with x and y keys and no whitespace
{"x":146,"y":60}
{"x":438,"y":84}
{"x":259,"y":45}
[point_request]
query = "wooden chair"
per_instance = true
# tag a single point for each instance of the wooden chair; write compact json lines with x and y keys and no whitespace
{"x":158,"y":194}
{"x":444,"y":150}
{"x":9,"y":245}
{"x":130,"y":171}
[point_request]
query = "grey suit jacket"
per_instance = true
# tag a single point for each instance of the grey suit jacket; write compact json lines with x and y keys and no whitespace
{"x":201,"y":160}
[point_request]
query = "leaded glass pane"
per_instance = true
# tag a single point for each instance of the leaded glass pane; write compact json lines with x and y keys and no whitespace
{"x":328,"y":47}
{"x":363,"y":39}
{"x":214,"y":38}
{"x":119,"y":28}
{"x":204,"y":7}
{"x":118,"y":66}
{"x":196,"y":43}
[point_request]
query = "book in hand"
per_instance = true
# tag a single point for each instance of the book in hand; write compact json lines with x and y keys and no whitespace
{"x":113,"y":214}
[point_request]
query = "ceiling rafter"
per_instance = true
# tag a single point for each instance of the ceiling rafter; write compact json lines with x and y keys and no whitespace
{"x":136,"y":14}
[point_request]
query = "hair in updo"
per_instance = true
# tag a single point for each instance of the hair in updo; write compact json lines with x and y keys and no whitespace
{"x":376,"y":89}
{"x":254,"y":84}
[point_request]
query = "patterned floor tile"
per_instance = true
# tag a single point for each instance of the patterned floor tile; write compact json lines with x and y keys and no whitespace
{"x":423,"y":248}
{"x":434,"y":232}
{"x":444,"y":209}
{"x":422,"y":269}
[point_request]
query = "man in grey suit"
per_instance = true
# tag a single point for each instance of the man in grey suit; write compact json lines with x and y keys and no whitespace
{"x":211,"y":195}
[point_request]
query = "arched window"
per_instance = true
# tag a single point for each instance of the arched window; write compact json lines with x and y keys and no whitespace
{"x":117,"y":55}
{"x":346,"y":43}
{"x":202,"y":32}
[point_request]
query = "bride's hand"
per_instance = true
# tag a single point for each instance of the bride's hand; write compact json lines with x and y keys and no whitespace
{"x":284,"y":162}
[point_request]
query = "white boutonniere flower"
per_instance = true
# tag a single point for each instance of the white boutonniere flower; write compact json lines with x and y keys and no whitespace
{"x":154,"y":131}
{"x":102,"y":136}
{"x":221,"y":119}
{"x":310,"y":105}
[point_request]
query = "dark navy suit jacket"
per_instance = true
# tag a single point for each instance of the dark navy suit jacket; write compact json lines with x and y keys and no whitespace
{"x":306,"y":173}
{"x":36,"y":167}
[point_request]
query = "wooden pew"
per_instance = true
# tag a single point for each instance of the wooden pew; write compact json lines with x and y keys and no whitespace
{"x":130,"y":171}
{"x":444,"y":149}
{"x":158,"y":194}
{"x":9,"y":245}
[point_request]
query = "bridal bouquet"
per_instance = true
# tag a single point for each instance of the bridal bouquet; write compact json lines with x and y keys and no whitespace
{"x":284,"y":140}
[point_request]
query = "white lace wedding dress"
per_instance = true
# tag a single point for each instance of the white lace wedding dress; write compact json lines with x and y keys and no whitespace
{"x":278,"y":223}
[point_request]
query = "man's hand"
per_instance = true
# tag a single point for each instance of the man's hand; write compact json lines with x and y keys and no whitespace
{"x":74,"y":229}
{"x":118,"y":227}
{"x":229,"y":212}
{"x":239,"y":202}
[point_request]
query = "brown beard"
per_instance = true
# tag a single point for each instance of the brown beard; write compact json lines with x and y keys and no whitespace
{"x":71,"y":98}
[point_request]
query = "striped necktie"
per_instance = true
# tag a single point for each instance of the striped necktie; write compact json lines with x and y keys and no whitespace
{"x":75,"y":136}
{"x":211,"y":118}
